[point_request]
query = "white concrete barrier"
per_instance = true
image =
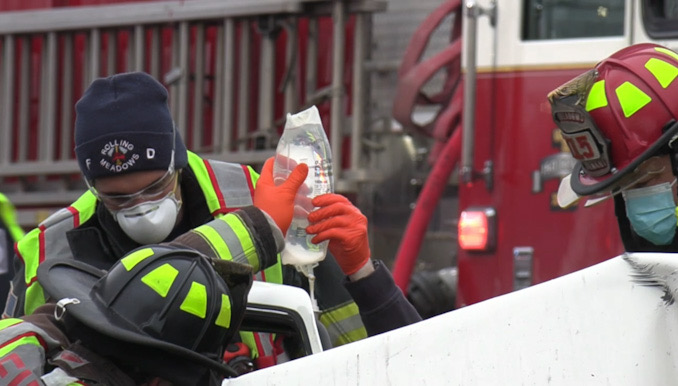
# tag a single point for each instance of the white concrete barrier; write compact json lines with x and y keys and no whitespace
{"x":615,"y":323}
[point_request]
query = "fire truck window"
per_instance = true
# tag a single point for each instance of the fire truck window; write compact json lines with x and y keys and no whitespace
{"x":660,"y":18}
{"x":571,"y":19}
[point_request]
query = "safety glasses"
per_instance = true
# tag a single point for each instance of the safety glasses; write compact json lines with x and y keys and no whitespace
{"x":156,"y":190}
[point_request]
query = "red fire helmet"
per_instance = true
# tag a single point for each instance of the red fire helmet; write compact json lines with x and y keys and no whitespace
{"x":617,"y":115}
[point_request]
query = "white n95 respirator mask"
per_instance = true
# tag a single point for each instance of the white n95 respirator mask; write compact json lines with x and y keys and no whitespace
{"x":150,"y":222}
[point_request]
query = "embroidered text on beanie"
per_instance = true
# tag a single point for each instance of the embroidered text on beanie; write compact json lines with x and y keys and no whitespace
{"x":123,"y":125}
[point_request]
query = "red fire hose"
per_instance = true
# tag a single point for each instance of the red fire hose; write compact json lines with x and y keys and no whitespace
{"x":413,"y":76}
{"x":426,"y":204}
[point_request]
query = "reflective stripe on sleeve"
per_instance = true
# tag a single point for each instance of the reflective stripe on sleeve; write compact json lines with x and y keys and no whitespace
{"x":344,"y":324}
{"x":4,"y":323}
{"x":231,"y":240}
{"x":15,"y":333}
{"x":218,"y":244}
{"x":247,"y":248}
{"x":28,"y":338}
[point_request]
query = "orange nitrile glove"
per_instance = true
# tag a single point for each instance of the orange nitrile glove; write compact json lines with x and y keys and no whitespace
{"x":278,"y":201}
{"x":338,"y":221}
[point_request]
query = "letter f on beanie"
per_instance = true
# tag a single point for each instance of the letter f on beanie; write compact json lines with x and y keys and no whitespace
{"x":123,"y":125}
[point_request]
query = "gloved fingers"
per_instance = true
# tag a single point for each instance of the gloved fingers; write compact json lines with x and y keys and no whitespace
{"x":266,"y":175}
{"x":331,"y":234}
{"x":288,"y":164}
{"x":333,"y":210}
{"x":330,"y":198}
{"x":345,"y":222}
{"x":296,"y":178}
{"x":278,"y":201}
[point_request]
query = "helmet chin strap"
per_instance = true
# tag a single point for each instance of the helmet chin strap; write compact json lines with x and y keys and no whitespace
{"x":673,"y":149}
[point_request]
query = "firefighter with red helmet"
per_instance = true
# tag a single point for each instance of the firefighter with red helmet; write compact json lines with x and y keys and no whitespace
{"x":620,"y":121}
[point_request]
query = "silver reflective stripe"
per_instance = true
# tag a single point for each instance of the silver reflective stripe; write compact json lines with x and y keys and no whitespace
{"x":344,"y":326}
{"x":265,"y":340}
{"x":259,"y":276}
{"x":282,"y":357}
{"x":17,"y":362}
{"x":230,"y":239}
{"x":56,"y":217}
{"x":14,"y":331}
{"x":56,"y":243}
{"x":4,"y":256}
{"x":233,"y":184}
{"x":33,"y":344}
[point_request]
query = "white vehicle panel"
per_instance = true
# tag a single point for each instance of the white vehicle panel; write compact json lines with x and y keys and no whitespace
{"x":608,"y":324}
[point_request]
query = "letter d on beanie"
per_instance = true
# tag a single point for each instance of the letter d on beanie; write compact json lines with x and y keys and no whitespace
{"x":123,"y":125}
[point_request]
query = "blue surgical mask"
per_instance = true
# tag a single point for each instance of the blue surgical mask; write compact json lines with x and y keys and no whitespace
{"x":652,"y":212}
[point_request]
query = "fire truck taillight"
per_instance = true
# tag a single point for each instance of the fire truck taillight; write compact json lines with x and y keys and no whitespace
{"x":477,"y":229}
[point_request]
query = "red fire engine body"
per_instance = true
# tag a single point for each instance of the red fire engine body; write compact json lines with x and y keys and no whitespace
{"x":512,"y":233}
{"x":491,"y":125}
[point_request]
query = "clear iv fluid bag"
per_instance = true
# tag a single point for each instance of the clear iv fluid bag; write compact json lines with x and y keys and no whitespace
{"x":304,"y":141}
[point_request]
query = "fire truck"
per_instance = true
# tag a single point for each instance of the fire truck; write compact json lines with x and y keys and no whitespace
{"x":446,"y":140}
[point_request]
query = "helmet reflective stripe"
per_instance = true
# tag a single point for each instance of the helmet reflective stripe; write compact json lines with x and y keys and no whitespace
{"x":597,"y":97}
{"x":667,"y":52}
{"x":224,"y":317}
{"x":196,"y":301}
{"x":134,"y":258}
{"x":160,"y":279}
{"x":631,"y":98}
{"x":664,"y":72}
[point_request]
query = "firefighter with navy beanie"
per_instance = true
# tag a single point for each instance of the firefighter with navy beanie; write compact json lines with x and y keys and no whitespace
{"x":620,"y":120}
{"x":145,"y":187}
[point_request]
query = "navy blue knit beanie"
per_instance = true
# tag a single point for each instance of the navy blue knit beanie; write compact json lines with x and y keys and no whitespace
{"x":123,"y":125}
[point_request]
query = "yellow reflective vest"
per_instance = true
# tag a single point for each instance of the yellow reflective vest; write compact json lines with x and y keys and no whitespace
{"x":8,"y":217}
{"x":225,"y":187}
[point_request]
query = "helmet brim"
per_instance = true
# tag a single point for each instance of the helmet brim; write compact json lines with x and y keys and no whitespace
{"x":567,"y":197}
